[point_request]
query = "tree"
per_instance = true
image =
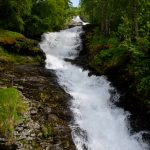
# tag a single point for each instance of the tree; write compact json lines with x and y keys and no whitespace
{"x":12,"y":13}
{"x":52,"y":16}
{"x":111,"y":15}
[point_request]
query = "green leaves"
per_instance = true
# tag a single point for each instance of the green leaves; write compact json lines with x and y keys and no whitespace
{"x":33,"y":17}
{"x":12,"y":13}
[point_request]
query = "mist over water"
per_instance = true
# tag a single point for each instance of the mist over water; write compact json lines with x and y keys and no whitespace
{"x":98,"y":124}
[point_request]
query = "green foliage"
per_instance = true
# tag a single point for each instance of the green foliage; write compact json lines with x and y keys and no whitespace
{"x":143,"y":44}
{"x":8,"y":37}
{"x":33,"y":17}
{"x":9,"y":58}
{"x":70,"y":13}
{"x":15,"y":48}
{"x":144,"y":86}
{"x":120,"y":54}
{"x":12,"y":13}
{"x":36,"y":26}
{"x":113,"y":41}
{"x":125,"y":28}
{"x":128,"y":22}
{"x":109,"y":58}
{"x":12,"y":108}
{"x":5,"y":57}
{"x":52,"y":16}
{"x":129,"y":18}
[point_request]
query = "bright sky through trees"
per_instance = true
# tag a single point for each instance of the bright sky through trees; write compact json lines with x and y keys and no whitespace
{"x":75,"y":2}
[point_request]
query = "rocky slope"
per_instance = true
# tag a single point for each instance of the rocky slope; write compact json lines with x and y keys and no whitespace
{"x":45,"y":126}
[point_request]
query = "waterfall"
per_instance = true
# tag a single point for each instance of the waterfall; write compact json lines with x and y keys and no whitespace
{"x":97,"y":124}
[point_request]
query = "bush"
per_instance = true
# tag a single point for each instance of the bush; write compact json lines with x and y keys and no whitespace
{"x":144,"y":86}
{"x":108,"y":58}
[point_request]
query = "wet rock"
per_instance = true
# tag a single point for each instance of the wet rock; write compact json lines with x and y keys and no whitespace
{"x":33,"y":112}
{"x":19,"y":129}
{"x":2,"y":140}
{"x":48,"y":111}
{"x":20,"y":88}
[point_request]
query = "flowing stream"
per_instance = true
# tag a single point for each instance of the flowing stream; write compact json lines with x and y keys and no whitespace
{"x":97,"y":124}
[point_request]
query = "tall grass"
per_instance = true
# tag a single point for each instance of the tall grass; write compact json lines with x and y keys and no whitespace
{"x":12,"y":108}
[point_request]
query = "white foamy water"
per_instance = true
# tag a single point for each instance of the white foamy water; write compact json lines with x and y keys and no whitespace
{"x":78,"y":19}
{"x":98,"y":124}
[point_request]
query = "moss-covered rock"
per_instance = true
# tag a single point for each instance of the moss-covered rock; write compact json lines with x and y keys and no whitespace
{"x":9,"y":37}
{"x":16,"y":48}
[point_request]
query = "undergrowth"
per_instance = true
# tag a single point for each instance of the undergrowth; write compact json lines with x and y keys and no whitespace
{"x":6,"y":57}
{"x":12,"y":108}
{"x":131,"y":58}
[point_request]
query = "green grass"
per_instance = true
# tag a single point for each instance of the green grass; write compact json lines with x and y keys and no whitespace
{"x":12,"y":108}
{"x":9,"y":37}
{"x":6,"y":57}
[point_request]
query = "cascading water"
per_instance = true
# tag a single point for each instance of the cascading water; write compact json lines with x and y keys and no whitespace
{"x":98,"y":124}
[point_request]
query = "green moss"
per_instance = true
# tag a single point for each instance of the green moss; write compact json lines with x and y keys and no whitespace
{"x":14,"y":48}
{"x":26,"y":47}
{"x":6,"y":57}
{"x":12,"y":108}
{"x":9,"y":37}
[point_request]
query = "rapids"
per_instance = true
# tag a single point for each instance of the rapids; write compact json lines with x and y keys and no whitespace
{"x":97,"y":124}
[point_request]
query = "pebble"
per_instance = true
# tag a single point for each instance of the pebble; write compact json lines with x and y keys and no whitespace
{"x":33,"y":112}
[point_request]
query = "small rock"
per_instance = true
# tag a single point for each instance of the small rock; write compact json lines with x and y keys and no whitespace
{"x":19,"y":129}
{"x":2,"y":140}
{"x":49,"y":110}
{"x":40,"y":134}
{"x":33,"y":112}
{"x":20,"y":87}
{"x":16,"y":133}
{"x":33,"y":135}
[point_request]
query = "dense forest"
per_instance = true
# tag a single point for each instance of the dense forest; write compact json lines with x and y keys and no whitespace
{"x":33,"y":17}
{"x":119,"y":44}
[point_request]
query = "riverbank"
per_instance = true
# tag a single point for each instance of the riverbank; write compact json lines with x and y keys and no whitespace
{"x":45,"y":125}
{"x":107,"y":59}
